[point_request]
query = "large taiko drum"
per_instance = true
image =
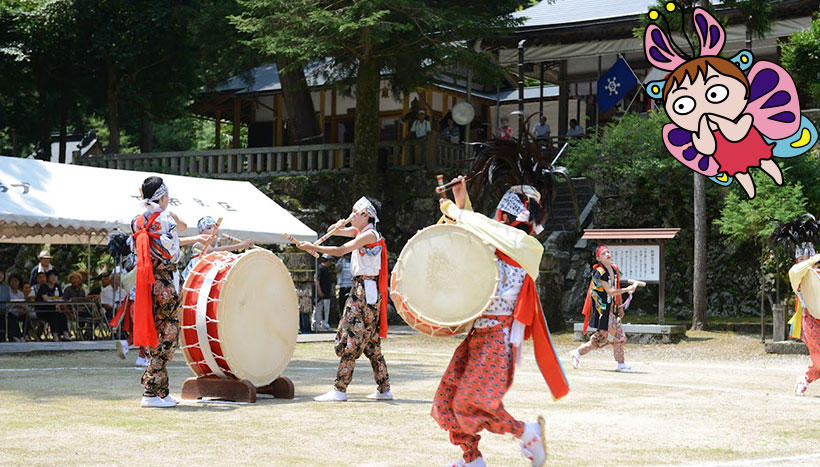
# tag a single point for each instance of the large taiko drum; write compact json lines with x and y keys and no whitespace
{"x":239,"y":316}
{"x":806,"y":277}
{"x":444,"y":279}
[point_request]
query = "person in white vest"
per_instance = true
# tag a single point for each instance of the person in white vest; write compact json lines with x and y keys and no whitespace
{"x":364,"y":320}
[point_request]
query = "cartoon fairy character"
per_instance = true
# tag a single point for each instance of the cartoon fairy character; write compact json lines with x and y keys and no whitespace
{"x":724,"y":122}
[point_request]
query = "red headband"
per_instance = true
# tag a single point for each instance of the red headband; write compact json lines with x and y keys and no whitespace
{"x":600,"y":250}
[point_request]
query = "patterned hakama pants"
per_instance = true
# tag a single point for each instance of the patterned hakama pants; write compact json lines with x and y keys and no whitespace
{"x":468,"y":398}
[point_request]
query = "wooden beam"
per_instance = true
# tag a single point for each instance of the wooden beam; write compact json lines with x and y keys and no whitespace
{"x":333,"y":103}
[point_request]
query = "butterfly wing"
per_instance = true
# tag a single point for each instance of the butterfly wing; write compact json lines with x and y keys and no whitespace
{"x":798,"y":143}
{"x":773,"y":101}
{"x":679,"y":143}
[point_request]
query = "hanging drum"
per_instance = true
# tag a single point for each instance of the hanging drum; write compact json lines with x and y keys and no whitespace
{"x":444,"y":279}
{"x":239,"y":316}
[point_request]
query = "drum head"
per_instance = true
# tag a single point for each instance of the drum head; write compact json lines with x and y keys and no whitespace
{"x":258,"y":315}
{"x":446,"y":275}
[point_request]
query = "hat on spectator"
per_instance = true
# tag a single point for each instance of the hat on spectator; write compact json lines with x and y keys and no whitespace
{"x":421,"y":111}
{"x":44,"y":254}
{"x":77,"y":274}
{"x":327,"y":257}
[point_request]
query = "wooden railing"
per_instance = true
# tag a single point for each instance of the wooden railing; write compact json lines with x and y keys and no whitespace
{"x":249,"y":163}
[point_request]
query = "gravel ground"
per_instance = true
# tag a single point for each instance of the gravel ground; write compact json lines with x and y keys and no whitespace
{"x":714,"y":398}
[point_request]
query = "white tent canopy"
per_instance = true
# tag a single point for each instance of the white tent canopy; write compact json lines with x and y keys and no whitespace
{"x":44,"y":202}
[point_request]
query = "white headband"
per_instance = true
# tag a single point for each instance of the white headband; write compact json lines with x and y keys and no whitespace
{"x":363,"y":205}
{"x":511,"y":203}
{"x":154,"y":200}
{"x":804,"y":249}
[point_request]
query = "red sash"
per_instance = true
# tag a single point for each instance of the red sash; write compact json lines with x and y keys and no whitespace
{"x":145,"y":334}
{"x":382,"y":287}
{"x":528,"y":311}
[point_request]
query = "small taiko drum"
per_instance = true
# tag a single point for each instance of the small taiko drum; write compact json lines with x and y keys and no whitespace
{"x":806,"y":277}
{"x":444,"y":279}
{"x":239,"y":316}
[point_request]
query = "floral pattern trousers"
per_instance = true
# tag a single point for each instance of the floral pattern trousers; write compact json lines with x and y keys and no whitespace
{"x":166,"y":321}
{"x":359,"y":333}
{"x":601,"y":338}
{"x":811,"y":336}
{"x":468,"y":399}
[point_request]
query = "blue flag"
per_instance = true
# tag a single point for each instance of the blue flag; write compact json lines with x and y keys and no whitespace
{"x":615,"y":84}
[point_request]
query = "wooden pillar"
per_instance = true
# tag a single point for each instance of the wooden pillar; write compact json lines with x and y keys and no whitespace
{"x":333,"y":103}
{"x":218,"y":131}
{"x":541,"y":92}
{"x":322,"y":111}
{"x":662,"y":284}
{"x":563,"y":98}
{"x":237,"y":121}
{"x":280,"y":121}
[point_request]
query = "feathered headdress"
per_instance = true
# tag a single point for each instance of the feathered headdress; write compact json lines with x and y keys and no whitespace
{"x":799,"y":233}
{"x":506,"y":169}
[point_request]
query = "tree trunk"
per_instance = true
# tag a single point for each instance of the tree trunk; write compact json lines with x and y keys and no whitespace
{"x":112,"y":98}
{"x":63,"y":125}
{"x":366,"y":130}
{"x":147,"y":133}
{"x":302,"y":123}
{"x":699,"y":279}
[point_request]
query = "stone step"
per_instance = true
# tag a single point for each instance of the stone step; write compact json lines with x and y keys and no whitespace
{"x":787,"y":348}
{"x":642,"y":333}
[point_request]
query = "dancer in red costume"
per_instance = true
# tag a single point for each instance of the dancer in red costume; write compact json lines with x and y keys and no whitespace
{"x":156,"y":242}
{"x":469,"y":397}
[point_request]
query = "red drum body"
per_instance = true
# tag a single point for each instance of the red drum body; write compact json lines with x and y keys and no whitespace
{"x":239,"y":316}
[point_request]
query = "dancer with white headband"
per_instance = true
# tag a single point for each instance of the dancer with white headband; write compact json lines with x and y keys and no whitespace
{"x":156,"y":242}
{"x":364,"y":319}
{"x":206,"y":226}
{"x":603,"y":309}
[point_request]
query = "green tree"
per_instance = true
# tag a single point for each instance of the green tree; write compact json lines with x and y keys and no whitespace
{"x":801,"y":56}
{"x":42,"y":69}
{"x":410,"y":39}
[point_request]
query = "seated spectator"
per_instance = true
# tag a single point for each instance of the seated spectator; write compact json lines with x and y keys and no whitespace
{"x":28,"y":292}
{"x":541,"y":130}
{"x":44,"y":267}
{"x":50,"y":292}
{"x":112,"y":295}
{"x":420,"y":127}
{"x":39,"y":279}
{"x":504,"y":131}
{"x":575,"y":129}
{"x":17,"y":313}
{"x":96,"y":289}
{"x":451,"y":133}
{"x":75,"y":290}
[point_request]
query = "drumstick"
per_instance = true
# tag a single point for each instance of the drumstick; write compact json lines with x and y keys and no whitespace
{"x":294,"y":241}
{"x":638,"y":283}
{"x":233,"y":239}
{"x":331,"y":232}
{"x":450,"y":185}
{"x":440,"y":188}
